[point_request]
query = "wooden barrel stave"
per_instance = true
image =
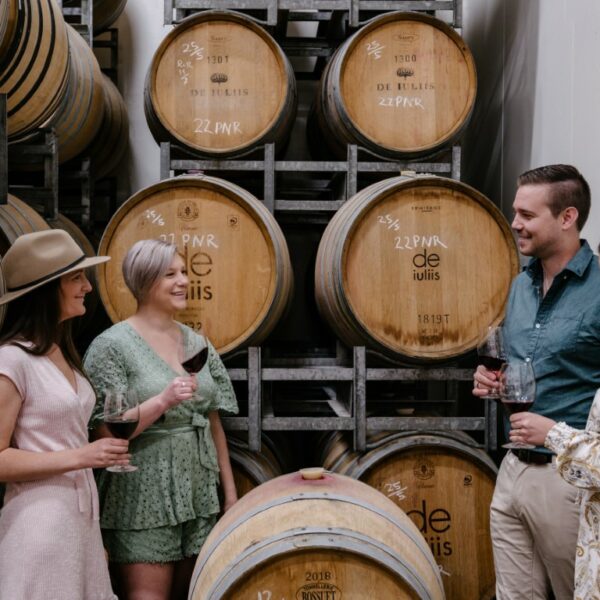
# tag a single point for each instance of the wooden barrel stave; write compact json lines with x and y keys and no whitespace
{"x":17,"y":218}
{"x":237,"y":104}
{"x":106,"y":12}
{"x":79,"y":117}
{"x":417,"y":92}
{"x":415,"y":300}
{"x":433,"y":475}
{"x":239,"y":265}
{"x":34,"y":72}
{"x":109,"y":147}
{"x":355,"y":542}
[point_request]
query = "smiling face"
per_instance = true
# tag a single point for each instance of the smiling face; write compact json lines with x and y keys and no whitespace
{"x":72,"y":290}
{"x":169,"y":292}
{"x":539,"y":232}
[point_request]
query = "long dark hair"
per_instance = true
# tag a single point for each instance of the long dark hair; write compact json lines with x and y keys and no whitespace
{"x":34,"y":317}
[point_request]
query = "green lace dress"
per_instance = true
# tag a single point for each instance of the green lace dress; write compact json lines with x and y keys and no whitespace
{"x":177,"y":474}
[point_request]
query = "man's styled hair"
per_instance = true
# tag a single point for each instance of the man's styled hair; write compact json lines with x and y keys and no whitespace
{"x":569,"y":188}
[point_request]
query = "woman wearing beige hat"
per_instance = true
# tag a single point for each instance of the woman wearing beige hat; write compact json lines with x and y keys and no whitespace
{"x":50,"y":541}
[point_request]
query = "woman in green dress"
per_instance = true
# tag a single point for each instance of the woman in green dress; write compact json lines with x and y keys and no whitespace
{"x":155,"y":520}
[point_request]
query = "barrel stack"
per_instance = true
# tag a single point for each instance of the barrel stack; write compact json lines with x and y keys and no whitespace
{"x":341,"y":294}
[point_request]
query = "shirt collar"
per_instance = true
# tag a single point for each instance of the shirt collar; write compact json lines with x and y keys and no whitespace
{"x":577,"y":265}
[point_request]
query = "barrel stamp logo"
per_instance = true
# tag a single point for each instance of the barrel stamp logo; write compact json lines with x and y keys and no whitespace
{"x":319,"y":591}
{"x":219,"y":39}
{"x":404,"y":72}
{"x":423,"y":469}
{"x":219,"y":78}
{"x":187,"y":210}
{"x":406,"y":38}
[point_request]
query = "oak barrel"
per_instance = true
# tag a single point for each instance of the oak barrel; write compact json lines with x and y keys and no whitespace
{"x":250,"y":469}
{"x":17,"y":218}
{"x":8,"y":23}
{"x":404,"y":85}
{"x":79,"y":115}
{"x":445,"y":485}
{"x":236,"y":256}
{"x":109,"y":147}
{"x":34,"y":66}
{"x":415,"y":268}
{"x":220,"y":86}
{"x":331,"y":537}
{"x":105,"y":12}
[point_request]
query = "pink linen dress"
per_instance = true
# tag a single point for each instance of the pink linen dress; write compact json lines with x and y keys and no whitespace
{"x":50,"y":541}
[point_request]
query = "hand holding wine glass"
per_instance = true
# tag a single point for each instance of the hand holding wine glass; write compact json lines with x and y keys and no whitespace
{"x":517,"y":391}
{"x":492,"y":355}
{"x":121,"y":417}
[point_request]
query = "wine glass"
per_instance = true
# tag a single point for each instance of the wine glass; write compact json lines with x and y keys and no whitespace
{"x":121,"y":416}
{"x":517,"y":391}
{"x":491,"y":354}
{"x":196,"y":363}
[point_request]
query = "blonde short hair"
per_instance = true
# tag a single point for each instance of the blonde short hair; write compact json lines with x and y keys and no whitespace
{"x":145,"y":263}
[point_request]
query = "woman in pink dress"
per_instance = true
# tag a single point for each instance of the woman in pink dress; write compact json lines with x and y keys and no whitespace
{"x":50,"y":541}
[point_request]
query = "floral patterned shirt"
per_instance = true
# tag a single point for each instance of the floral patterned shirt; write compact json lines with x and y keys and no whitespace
{"x":578,"y":462}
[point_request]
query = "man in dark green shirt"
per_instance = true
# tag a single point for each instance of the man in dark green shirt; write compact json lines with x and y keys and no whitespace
{"x":553,"y":321}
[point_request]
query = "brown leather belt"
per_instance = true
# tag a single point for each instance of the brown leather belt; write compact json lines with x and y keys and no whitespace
{"x":533,"y":457}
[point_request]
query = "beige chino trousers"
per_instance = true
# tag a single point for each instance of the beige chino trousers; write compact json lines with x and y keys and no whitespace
{"x":534,"y":524}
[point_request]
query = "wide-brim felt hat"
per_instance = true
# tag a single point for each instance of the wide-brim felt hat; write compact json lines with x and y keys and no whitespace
{"x":37,"y":258}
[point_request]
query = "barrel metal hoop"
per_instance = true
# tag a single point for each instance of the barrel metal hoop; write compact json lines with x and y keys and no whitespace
{"x":310,"y":538}
{"x":364,"y":463}
{"x":418,"y":540}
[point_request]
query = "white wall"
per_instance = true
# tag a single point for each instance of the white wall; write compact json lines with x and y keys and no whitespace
{"x":539,"y":95}
{"x":538,"y":103}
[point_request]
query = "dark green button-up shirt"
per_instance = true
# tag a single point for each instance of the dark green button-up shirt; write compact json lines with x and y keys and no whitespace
{"x":560,"y":334}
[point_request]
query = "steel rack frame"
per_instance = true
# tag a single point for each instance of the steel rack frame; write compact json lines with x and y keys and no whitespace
{"x":352,"y":417}
{"x":268,"y":166}
{"x":276,"y":13}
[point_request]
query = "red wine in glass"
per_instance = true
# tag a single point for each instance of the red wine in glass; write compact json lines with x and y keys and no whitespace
{"x":196,"y":363}
{"x":493,"y":363}
{"x":122,"y":429}
{"x":517,"y":391}
{"x":515,"y":407}
{"x":491,"y":353}
{"x":121,"y":417}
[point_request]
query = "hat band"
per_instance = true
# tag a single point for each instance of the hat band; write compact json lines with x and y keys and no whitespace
{"x":53,"y":274}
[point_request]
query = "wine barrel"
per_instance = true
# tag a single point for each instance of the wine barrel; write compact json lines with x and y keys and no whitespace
{"x":220,"y":85}
{"x":236,"y":256}
{"x":8,"y":23}
{"x":79,"y":116}
{"x":331,"y":537}
{"x":109,"y":147}
{"x":106,"y":12}
{"x":415,"y":268}
{"x":251,"y":469}
{"x":92,"y":299}
{"x":404,"y":85}
{"x":34,"y":66}
{"x":445,"y":485}
{"x":17,"y":218}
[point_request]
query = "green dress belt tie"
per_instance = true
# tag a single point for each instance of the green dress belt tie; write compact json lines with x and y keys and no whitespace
{"x":200,"y":425}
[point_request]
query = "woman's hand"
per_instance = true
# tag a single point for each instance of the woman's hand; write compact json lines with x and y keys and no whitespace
{"x":484,"y":382}
{"x":529,"y":428}
{"x":105,"y":452}
{"x":182,"y":388}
